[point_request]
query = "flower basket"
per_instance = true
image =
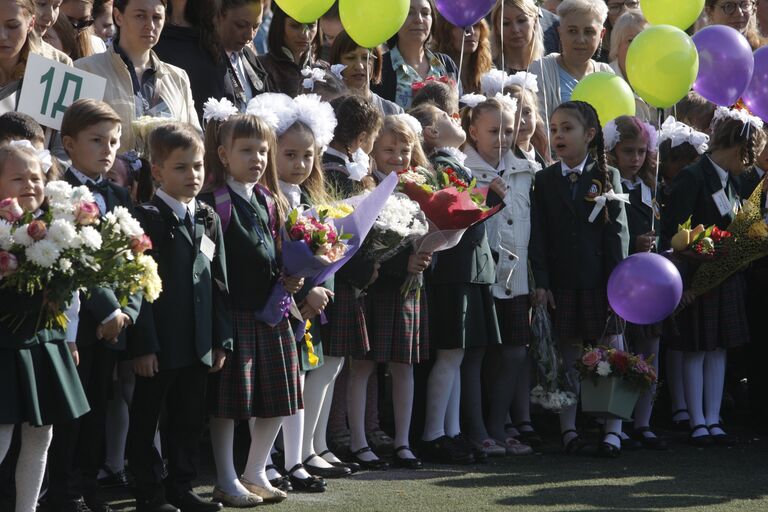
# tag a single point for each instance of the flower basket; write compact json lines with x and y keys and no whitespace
{"x":608,"y":397}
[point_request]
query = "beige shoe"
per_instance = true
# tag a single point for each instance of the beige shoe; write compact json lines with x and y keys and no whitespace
{"x":236,"y":501}
{"x":515,"y":447}
{"x":490,"y":447}
{"x":268,"y":495}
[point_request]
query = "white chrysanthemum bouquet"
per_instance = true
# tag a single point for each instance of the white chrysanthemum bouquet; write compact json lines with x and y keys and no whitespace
{"x":69,"y":248}
{"x":399,"y":224}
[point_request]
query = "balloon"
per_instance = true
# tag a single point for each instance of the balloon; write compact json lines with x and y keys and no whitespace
{"x":645,"y":288}
{"x":371,"y":22}
{"x":661,"y":65}
{"x":725,"y":64}
{"x":756,"y":95}
{"x":608,"y":93}
{"x":680,"y":13}
{"x":464,"y":13}
{"x":305,"y":11}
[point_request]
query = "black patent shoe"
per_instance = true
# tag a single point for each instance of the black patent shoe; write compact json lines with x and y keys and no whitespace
{"x":331,"y":472}
{"x":722,"y":439}
{"x":575,"y":446}
{"x":608,"y":450}
{"x":282,"y":482}
{"x":114,"y":479}
{"x":444,"y":451}
{"x":309,"y":484}
{"x":353,"y":467}
{"x":649,"y":443}
{"x":700,"y":441}
{"x":370,"y":465}
{"x":400,"y":462}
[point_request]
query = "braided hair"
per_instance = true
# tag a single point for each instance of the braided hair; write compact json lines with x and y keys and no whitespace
{"x":588,"y":117}
{"x":729,"y":132}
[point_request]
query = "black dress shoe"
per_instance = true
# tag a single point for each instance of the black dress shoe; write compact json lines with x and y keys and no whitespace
{"x":156,"y":505}
{"x":608,"y":450}
{"x":700,"y":441}
{"x":282,"y":482}
{"x":331,"y":472}
{"x":463,"y":444}
{"x":400,"y":462}
{"x":353,"y":467}
{"x":722,"y":439}
{"x":113,"y":479}
{"x":443,"y":450}
{"x":309,"y":484}
{"x":188,"y":501}
{"x":371,"y":465}
{"x":649,"y":443}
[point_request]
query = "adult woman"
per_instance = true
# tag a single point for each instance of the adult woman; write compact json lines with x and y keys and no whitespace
{"x":615,"y":9}
{"x":581,"y":31}
{"x":355,"y":75}
{"x":735,"y":14}
{"x":46,"y":14}
{"x":292,"y":47}
{"x":516,"y":24}
{"x":409,"y":60}
{"x":625,"y":30}
{"x":477,"y":49}
{"x":19,"y":40}
{"x":80,"y":15}
{"x":140,"y":83}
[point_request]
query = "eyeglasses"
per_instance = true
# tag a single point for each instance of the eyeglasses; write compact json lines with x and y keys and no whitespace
{"x":81,"y":24}
{"x":616,"y":8}
{"x":729,"y":8}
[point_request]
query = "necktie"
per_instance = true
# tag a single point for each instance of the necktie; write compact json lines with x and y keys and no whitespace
{"x":190,"y":227}
{"x":573,"y":179}
{"x":100,"y":187}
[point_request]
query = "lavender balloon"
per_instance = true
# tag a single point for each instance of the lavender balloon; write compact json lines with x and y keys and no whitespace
{"x":756,"y":95}
{"x":464,"y":13}
{"x":725,"y":64}
{"x":645,"y":288}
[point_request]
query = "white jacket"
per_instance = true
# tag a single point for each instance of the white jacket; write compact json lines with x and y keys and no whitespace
{"x":509,"y":230}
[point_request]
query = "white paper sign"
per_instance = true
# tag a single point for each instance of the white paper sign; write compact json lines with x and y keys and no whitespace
{"x":49,"y":87}
{"x":722,"y":202}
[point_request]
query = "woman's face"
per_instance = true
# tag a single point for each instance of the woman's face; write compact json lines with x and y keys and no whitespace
{"x":46,"y":14}
{"x":299,"y":36}
{"x":15,"y":25}
{"x":518,"y":28}
{"x":735,"y":14}
{"x":103,"y":26}
{"x":355,"y":75}
{"x":418,"y":24}
{"x":618,"y":7}
{"x":78,"y":12}
{"x":238,"y":26}
{"x":580,"y":35}
{"x":141,"y":23}
{"x":629,"y":36}
{"x":469,"y":38}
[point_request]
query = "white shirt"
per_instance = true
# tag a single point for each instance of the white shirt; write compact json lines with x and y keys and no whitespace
{"x":101,"y":202}
{"x":579,"y":169}
{"x":721,"y":173}
{"x":760,"y":172}
{"x":291,"y":192}
{"x":180,"y":209}
{"x":630,"y":184}
{"x":334,"y":152}
{"x":244,"y":190}
{"x":236,"y":58}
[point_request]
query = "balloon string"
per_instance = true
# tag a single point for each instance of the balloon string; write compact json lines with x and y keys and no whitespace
{"x":461,"y":56}
{"x":522,"y":99}
{"x":368,"y":68}
{"x":655,"y":199}
{"x":501,"y":35}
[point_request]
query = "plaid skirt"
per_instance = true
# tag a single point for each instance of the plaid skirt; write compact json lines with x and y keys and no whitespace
{"x":635,"y":332}
{"x":462,"y":316}
{"x":581,"y":314}
{"x":261,"y":376}
{"x":399,"y":330}
{"x":514,"y":320}
{"x":346,"y":333}
{"x":717,"y":319}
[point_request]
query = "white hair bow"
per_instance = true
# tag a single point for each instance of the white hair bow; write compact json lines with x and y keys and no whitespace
{"x":218,"y":110}
{"x":43,"y":155}
{"x":680,"y":133}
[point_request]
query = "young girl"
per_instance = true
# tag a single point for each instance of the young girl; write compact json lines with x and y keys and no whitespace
{"x":631,"y":147}
{"x":530,"y":131}
{"x":37,"y":372}
{"x":490,"y":127}
{"x":571,"y":257}
{"x":397,"y":323}
{"x":708,"y":193}
{"x":261,"y":380}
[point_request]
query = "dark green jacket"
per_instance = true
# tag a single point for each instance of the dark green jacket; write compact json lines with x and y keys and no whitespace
{"x":190,"y":317}
{"x":566,"y":251}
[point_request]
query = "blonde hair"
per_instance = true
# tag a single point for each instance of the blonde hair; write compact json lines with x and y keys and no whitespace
{"x":597,"y":8}
{"x":470,"y":115}
{"x":531,"y":10}
{"x":395,"y":126}
{"x":631,"y":19}
{"x":314,"y":185}
{"x":33,"y":44}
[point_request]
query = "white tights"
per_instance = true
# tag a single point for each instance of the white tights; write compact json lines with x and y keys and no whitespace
{"x":318,"y":393}
{"x":444,"y":395}
{"x":31,"y":463}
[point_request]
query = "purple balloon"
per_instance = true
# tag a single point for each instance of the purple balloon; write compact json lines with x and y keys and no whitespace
{"x":645,"y":288}
{"x":725,"y":64}
{"x":756,"y":95}
{"x":464,"y":13}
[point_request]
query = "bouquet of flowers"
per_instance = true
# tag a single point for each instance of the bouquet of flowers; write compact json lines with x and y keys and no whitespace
{"x":550,"y":392}
{"x":399,"y":223}
{"x":700,"y":241}
{"x":142,"y":127}
{"x":69,"y":248}
{"x":316,"y":236}
{"x":601,"y":362}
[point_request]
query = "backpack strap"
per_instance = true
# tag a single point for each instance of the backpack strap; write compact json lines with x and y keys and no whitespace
{"x":269,"y":201}
{"x":223,"y":203}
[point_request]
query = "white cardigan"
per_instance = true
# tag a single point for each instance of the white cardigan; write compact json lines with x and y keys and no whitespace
{"x":509,"y":230}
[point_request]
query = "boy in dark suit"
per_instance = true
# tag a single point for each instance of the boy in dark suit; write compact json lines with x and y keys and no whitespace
{"x":183,"y":335}
{"x":90,"y":132}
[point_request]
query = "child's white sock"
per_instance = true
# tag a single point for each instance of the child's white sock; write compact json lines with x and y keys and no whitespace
{"x":263,"y":434}
{"x":440,"y":386}
{"x":359,"y":373}
{"x":402,"y":401}
{"x":321,"y":431}
{"x":315,"y":395}
{"x":31,"y":465}
{"x":222,"y":439}
{"x":693,"y":372}
{"x":714,"y":380}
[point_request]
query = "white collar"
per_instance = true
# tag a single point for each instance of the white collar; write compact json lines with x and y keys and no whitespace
{"x":475,"y":162}
{"x":82,"y":178}
{"x":244,"y":190}
{"x":452,"y":152}
{"x":292,"y":192}
{"x":721,"y":173}
{"x":179,"y":209}
{"x":530,"y":155}
{"x":631,"y":184}
{"x":509,"y":163}
{"x":578,"y":169}
{"x":759,"y":171}
{"x":335,"y":152}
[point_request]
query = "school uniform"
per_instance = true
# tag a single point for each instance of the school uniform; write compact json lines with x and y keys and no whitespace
{"x":459,"y":284}
{"x":716,"y":319}
{"x":261,"y":377}
{"x":336,"y":175}
{"x":182,"y":327}
{"x":78,"y":446}
{"x":571,"y":256}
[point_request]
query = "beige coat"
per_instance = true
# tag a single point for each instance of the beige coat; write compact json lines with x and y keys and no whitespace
{"x":172,"y":85}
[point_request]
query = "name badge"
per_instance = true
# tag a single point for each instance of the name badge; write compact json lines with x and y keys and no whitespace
{"x":724,"y":205}
{"x":646,"y":195}
{"x":207,"y":247}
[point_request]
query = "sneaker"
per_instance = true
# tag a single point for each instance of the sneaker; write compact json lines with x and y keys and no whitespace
{"x":444,"y":450}
{"x":490,"y":447}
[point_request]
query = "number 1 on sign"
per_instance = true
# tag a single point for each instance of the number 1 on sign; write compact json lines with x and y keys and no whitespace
{"x":59,"y":105}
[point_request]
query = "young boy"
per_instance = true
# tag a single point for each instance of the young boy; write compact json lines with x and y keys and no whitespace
{"x":18,"y":126}
{"x":90,"y":132}
{"x":182,"y":336}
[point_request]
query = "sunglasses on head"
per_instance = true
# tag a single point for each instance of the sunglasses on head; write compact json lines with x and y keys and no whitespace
{"x":81,"y":24}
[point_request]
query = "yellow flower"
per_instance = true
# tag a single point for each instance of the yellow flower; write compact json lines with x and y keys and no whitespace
{"x":313,"y":359}
{"x":150,"y":281}
{"x":758,"y":230}
{"x":337,"y":211}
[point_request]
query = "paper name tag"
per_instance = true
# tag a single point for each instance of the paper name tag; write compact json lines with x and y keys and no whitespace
{"x":207,"y":247}
{"x":646,"y":195}
{"x":722,"y":202}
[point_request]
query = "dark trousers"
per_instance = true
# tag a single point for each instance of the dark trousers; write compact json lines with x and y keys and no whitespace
{"x":757,"y":350}
{"x":182,"y":393}
{"x":77,"y":448}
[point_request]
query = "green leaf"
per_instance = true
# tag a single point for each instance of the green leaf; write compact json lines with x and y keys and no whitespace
{"x":346,"y":236}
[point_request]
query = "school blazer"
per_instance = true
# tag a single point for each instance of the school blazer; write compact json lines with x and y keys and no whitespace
{"x":99,"y":303}
{"x":748,"y":183}
{"x":691,"y":196}
{"x":566,"y":251}
{"x":190,"y":317}
{"x":638,"y":216}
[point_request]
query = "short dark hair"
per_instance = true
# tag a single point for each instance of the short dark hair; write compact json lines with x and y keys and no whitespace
{"x":120,"y":5}
{"x":332,"y":13}
{"x":345,"y":44}
{"x":16,"y":125}
{"x":276,"y":35}
{"x":85,"y":113}
{"x":359,"y":115}
{"x":167,"y":138}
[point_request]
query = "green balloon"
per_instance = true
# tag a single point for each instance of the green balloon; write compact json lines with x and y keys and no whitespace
{"x":371,"y":22}
{"x":305,"y":11}
{"x":662,"y":64}
{"x":680,"y":13}
{"x":608,"y":93}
